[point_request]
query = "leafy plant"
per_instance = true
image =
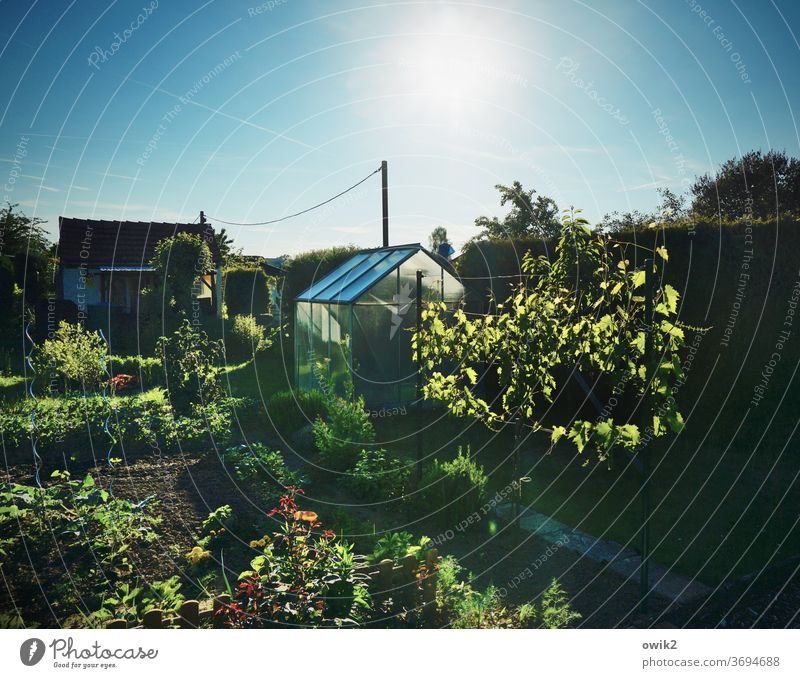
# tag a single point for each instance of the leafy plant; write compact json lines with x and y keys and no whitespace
{"x":131,"y":602}
{"x":555,"y":611}
{"x":462,"y":607}
{"x":75,"y":354}
{"x":457,"y":487}
{"x":84,"y":518}
{"x":216,"y":527}
{"x":397,"y":545}
{"x":254,"y":462}
{"x":291,"y":410}
{"x":301,"y":578}
{"x":584,"y":311}
{"x":346,"y":428}
{"x":377,"y":476}
{"x":190,"y":359}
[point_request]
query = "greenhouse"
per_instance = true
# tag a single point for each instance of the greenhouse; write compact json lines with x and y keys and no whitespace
{"x":358,"y":320}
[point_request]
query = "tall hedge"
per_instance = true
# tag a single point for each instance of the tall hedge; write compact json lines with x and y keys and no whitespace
{"x":247,"y":291}
{"x":307,"y":267}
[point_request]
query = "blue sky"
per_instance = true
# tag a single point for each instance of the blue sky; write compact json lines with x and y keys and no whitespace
{"x":155,"y":110}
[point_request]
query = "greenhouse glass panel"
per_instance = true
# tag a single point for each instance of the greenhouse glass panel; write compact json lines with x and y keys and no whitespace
{"x":302,"y":345}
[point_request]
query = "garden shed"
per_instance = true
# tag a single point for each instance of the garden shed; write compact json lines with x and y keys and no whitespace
{"x":358,"y":319}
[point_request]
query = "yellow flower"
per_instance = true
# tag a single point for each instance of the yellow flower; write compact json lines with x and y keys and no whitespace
{"x":307,"y":516}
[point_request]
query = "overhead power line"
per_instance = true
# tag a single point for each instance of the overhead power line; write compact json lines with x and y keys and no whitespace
{"x":296,"y":214}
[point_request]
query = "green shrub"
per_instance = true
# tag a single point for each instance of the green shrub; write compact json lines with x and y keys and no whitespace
{"x":247,"y":337}
{"x":457,"y":487}
{"x":346,"y":428}
{"x":190,"y":359}
{"x":291,"y":410}
{"x":555,"y":611}
{"x":462,"y":607}
{"x":378,"y":477}
{"x":344,"y":432}
{"x":132,"y":602}
{"x":75,"y":354}
{"x":255,"y":462}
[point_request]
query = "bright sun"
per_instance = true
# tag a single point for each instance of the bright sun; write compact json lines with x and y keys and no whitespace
{"x":450,"y":66}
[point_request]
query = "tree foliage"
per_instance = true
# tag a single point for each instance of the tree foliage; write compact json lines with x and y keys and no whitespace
{"x":670,"y":210}
{"x":756,"y":186}
{"x":179,"y":261}
{"x":190,"y":359}
{"x":437,"y":237}
{"x":25,"y":258}
{"x":583,"y":311}
{"x":528,"y":215}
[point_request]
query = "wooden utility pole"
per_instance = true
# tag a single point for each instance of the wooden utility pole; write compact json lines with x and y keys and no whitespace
{"x":419,"y":375}
{"x":385,"y":201}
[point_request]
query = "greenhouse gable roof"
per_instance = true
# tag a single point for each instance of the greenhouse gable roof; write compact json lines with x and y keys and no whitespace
{"x":355,"y":276}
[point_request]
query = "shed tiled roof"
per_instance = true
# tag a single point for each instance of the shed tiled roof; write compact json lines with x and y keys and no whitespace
{"x":121,"y":243}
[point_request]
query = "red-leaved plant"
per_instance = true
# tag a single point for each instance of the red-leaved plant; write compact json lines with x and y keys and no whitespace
{"x":303,"y":577}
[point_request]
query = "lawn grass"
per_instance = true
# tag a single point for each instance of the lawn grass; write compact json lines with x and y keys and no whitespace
{"x":712,"y":523}
{"x":716,"y":515}
{"x":259,"y":378}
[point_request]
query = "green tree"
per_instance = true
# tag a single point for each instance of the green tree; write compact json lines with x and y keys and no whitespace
{"x":529,"y":215}
{"x":756,"y":186}
{"x":670,"y":210}
{"x":179,"y":261}
{"x":224,"y":244}
{"x":437,"y":237}
{"x":584,"y":310}
{"x":25,"y":256}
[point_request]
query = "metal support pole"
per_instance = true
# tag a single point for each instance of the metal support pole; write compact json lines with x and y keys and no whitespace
{"x":419,"y":375}
{"x":644,"y":570}
{"x":517,"y":495}
{"x":385,"y":201}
